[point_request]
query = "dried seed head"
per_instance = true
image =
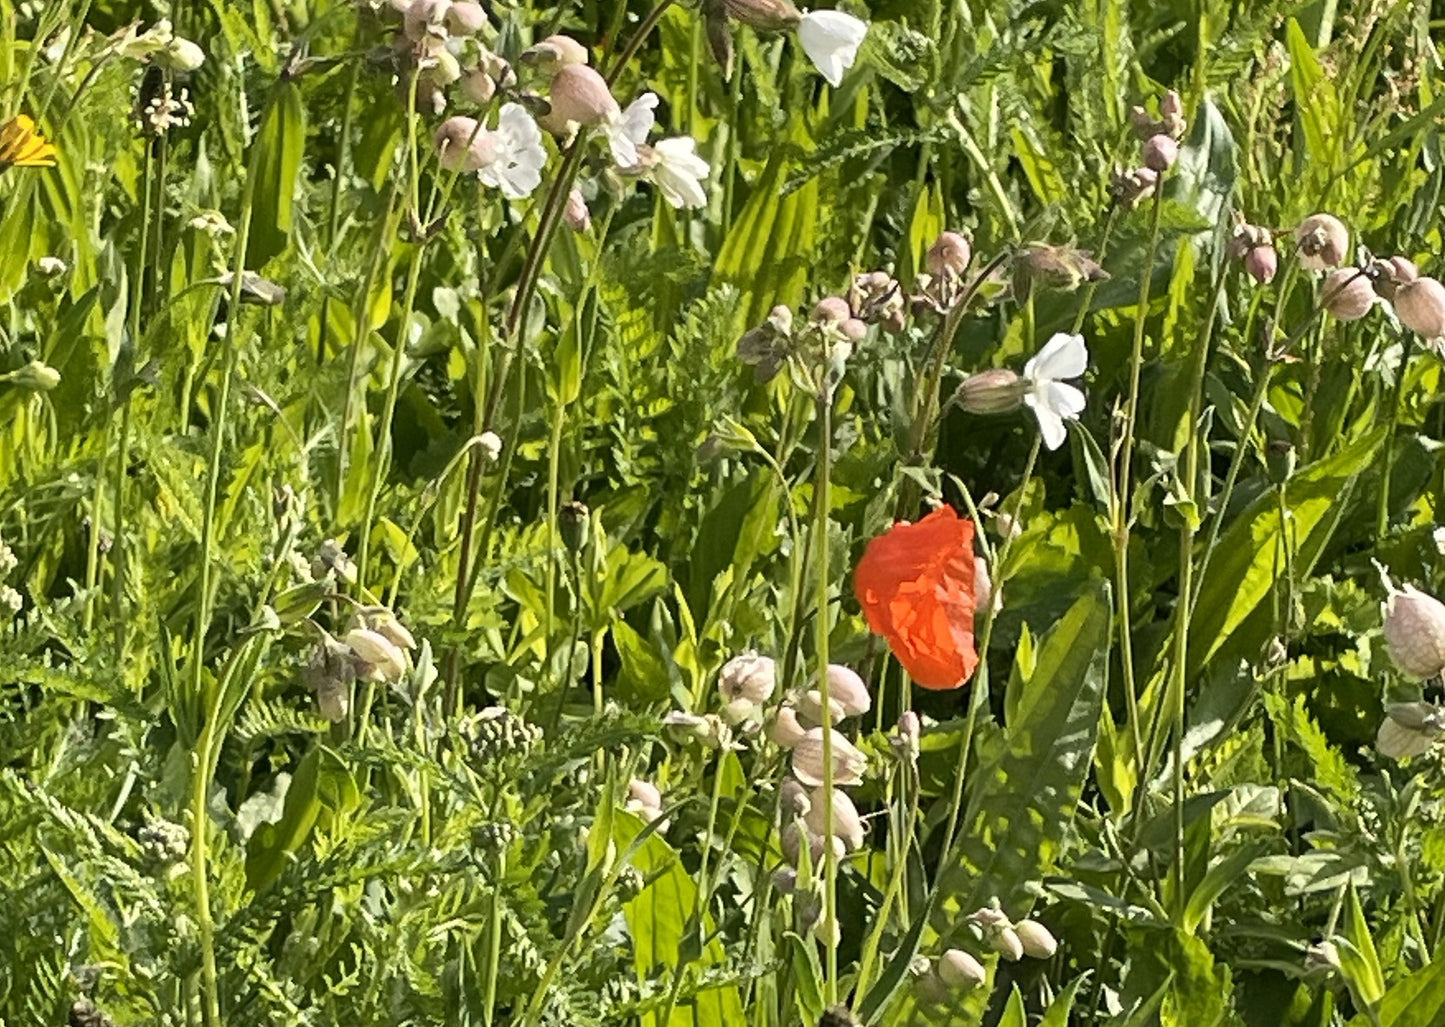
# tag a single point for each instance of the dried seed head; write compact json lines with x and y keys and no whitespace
{"x":1037,"y":940}
{"x":1414,"y":628}
{"x":768,"y":15}
{"x":1347,"y":294}
{"x":847,"y":689}
{"x":1420,"y":305}
{"x":949,"y":255}
{"x":960,"y":970}
{"x":1160,"y":152}
{"x":997,"y":391}
{"x":1323,"y":242}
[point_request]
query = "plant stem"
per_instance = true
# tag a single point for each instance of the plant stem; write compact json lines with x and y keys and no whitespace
{"x":1382,"y":518}
{"x":1123,"y":488}
{"x":822,"y":499}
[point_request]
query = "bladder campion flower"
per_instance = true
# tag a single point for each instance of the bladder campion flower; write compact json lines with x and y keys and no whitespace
{"x":916,"y":586}
{"x":21,"y":145}
{"x":1323,"y":242}
{"x":831,"y":40}
{"x":1414,"y":625}
{"x":1054,"y":401}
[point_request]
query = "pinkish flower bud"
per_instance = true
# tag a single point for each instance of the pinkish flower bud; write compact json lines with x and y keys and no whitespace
{"x":1323,"y":242}
{"x":645,"y":793}
{"x":579,"y":96}
{"x":907,"y":734}
{"x":768,"y":15}
{"x":854,"y":330}
{"x":1037,"y":941}
{"x":576,"y":215}
{"x":555,"y":52}
{"x":997,"y":391}
{"x":960,"y":970}
{"x":785,"y":731}
{"x":949,"y":255}
{"x":478,"y":87}
{"x":1414,"y":628}
{"x":1347,"y":294}
{"x":465,"y":18}
{"x":462,"y":145}
{"x":1160,"y":152}
{"x":847,"y":689}
{"x":810,"y":709}
{"x":424,"y":18}
{"x":748,"y":676}
{"x":1006,"y":942}
{"x":1261,"y":263}
{"x":982,"y":586}
{"x":808,"y":765}
{"x":1420,"y":305}
{"x":832,"y":310}
{"x":847,"y":825}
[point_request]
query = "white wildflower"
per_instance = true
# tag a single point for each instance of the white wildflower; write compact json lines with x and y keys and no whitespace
{"x":1053,"y":400}
{"x":675,"y":168}
{"x":831,"y":40}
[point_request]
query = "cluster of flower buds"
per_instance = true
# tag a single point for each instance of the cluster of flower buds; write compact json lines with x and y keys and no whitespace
{"x":439,"y":43}
{"x":1419,"y":300}
{"x":960,"y":970}
{"x":496,"y":734}
{"x":373,"y":649}
{"x":945,"y":282}
{"x":10,"y":600}
{"x":1159,"y":149}
{"x":832,"y":328}
{"x":163,"y":842}
{"x":1255,"y":246}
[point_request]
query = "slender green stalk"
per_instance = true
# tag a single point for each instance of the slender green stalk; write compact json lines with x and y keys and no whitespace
{"x":1123,"y":487}
{"x":823,"y":498}
{"x":1382,"y":514}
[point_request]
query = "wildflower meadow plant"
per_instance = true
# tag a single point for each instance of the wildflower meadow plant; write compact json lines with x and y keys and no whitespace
{"x":721,"y":513}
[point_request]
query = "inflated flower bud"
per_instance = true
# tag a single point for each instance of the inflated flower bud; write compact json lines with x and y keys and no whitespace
{"x":576,"y":215}
{"x":958,"y":969}
{"x":983,"y":587}
{"x":906,"y":735}
{"x":740,"y":711}
{"x":1409,"y":729}
{"x":384,"y":622}
{"x":1037,"y":941}
{"x":465,"y":18}
{"x":854,"y":330}
{"x":181,"y":55}
{"x":1414,"y":628}
{"x":949,"y":255}
{"x":996,"y":391}
{"x":847,"y":689}
{"x":846,"y":823}
{"x":748,"y":676}
{"x":573,"y":522}
{"x":793,"y":800}
{"x":1323,"y":242}
{"x":785,"y":731}
{"x":555,"y":52}
{"x":832,"y":310}
{"x":810,"y":709}
{"x":1160,"y":152}
{"x":1006,"y":942}
{"x":785,"y":880}
{"x":478,"y":87}
{"x":1261,"y":263}
{"x":383,"y":659}
{"x":808,"y":765}
{"x":424,"y":18}
{"x":1347,"y":294}
{"x":462,"y":145}
{"x":1420,"y":305}
{"x":578,"y":96}
{"x":768,"y":15}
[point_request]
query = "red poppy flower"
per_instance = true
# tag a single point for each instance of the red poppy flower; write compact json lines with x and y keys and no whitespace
{"x":915,"y":584}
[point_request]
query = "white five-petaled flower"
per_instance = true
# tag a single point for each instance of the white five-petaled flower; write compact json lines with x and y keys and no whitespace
{"x":677,"y":170}
{"x":517,"y":167}
{"x":628,"y":129}
{"x":831,"y":40}
{"x":1053,"y":400}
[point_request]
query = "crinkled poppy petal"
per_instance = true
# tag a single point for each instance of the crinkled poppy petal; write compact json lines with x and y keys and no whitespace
{"x":915,"y":585}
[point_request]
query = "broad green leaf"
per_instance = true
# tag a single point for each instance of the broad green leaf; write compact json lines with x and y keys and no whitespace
{"x":272,"y":845}
{"x":1021,"y":804}
{"x":1415,"y":1001}
{"x":644,"y":677}
{"x":274,"y":164}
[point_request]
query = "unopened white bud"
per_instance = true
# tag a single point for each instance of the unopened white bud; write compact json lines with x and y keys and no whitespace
{"x":847,"y":825}
{"x":384,"y":660}
{"x":785,"y":731}
{"x":1414,"y":627}
{"x":748,"y":676}
{"x":808,"y":765}
{"x":1420,"y":305}
{"x":1347,"y":294}
{"x":1037,"y":940}
{"x":958,"y":969}
{"x":847,"y":689}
